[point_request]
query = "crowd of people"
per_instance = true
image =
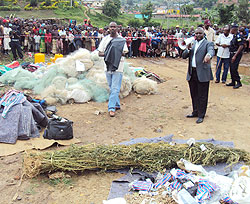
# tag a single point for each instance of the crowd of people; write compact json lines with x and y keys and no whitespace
{"x":34,"y":35}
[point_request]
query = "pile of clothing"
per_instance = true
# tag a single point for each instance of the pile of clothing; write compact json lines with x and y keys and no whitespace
{"x":20,"y":118}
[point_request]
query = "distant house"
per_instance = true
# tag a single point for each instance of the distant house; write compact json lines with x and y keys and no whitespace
{"x":227,"y":2}
{"x":174,"y":16}
{"x":94,"y":3}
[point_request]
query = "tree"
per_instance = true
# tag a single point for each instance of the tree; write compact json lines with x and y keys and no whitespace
{"x":135,"y":23}
{"x":130,"y":2}
{"x":205,"y":3}
{"x":1,"y":2}
{"x":187,"y":9}
{"x":33,"y":3}
{"x":47,"y":2}
{"x":112,"y":8}
{"x":226,"y":14}
{"x":147,"y":12}
{"x":243,"y":11}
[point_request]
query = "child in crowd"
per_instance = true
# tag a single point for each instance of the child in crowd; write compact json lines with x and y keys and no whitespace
{"x":37,"y":39}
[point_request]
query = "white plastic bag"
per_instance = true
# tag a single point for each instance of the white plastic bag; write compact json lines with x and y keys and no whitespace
{"x":240,"y":190}
{"x":115,"y":201}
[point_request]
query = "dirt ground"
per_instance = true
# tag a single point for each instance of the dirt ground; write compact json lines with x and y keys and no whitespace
{"x":228,"y":119}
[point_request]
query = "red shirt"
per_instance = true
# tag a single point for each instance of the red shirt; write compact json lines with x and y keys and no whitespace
{"x":48,"y":37}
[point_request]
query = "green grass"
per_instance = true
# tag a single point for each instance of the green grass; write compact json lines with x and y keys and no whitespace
{"x":245,"y":80}
{"x":55,"y":182}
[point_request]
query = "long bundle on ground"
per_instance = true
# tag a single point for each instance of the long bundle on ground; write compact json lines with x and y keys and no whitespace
{"x":148,"y":157}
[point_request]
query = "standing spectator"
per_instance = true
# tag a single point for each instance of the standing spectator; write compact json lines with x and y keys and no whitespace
{"x":143,"y":46}
{"x":15,"y":43}
{"x":1,"y":35}
{"x":236,"y":50}
{"x":209,"y":31}
{"x":55,"y":37}
{"x":6,"y":40}
{"x":42,"y":33}
{"x":223,"y":55}
{"x":26,"y":39}
{"x":135,"y":44}
{"x":129,"y":43}
{"x":72,"y":46}
{"x":37,"y":39}
{"x":78,"y":39}
{"x":48,"y":41}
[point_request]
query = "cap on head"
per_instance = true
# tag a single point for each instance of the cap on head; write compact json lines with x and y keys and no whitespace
{"x":234,"y":25}
{"x":177,"y":26}
{"x":207,"y":22}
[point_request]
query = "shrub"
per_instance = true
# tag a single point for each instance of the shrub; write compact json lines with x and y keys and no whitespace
{"x":28,"y":7}
{"x":134,"y":23}
{"x":33,"y":3}
{"x":14,"y":2}
{"x":47,"y":2}
{"x":10,"y":8}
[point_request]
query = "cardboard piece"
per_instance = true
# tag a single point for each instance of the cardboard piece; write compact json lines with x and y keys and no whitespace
{"x":33,"y":143}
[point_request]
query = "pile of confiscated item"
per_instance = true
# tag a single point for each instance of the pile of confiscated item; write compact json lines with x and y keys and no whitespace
{"x":189,"y":184}
{"x":192,"y":184}
{"x":79,"y":77}
{"x":185,"y":183}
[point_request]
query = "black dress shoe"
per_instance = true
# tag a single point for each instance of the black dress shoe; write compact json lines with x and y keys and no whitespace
{"x":230,"y":84}
{"x":200,"y":120}
{"x":217,"y":81}
{"x":192,"y":116}
{"x":238,"y":85}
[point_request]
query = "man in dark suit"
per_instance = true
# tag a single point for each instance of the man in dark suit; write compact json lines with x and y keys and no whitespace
{"x":199,"y":73}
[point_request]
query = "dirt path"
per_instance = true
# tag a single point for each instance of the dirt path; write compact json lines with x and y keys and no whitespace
{"x":228,"y":118}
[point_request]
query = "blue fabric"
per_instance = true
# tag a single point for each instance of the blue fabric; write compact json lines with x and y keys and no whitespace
{"x":114,"y":81}
{"x":226,"y":62}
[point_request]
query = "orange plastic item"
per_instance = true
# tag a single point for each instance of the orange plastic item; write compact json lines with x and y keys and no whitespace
{"x":39,"y":57}
{"x":58,"y":56}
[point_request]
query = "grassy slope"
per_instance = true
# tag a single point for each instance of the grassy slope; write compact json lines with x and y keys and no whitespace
{"x":97,"y":19}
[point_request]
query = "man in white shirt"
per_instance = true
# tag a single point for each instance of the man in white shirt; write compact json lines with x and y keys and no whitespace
{"x":199,"y":73}
{"x":112,"y":48}
{"x":223,"y":55}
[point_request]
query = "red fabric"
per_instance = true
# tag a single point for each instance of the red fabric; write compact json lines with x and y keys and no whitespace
{"x":48,"y":37}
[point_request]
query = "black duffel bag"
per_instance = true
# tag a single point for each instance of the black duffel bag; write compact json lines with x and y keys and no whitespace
{"x":59,"y":129}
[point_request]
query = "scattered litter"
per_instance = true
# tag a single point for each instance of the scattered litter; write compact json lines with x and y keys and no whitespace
{"x":115,"y":201}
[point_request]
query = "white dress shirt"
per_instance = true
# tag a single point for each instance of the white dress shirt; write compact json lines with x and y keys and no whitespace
{"x":222,"y":39}
{"x":197,"y":44}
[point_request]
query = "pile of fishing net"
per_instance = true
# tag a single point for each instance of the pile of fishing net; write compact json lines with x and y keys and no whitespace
{"x":79,"y":76}
{"x":151,"y":157}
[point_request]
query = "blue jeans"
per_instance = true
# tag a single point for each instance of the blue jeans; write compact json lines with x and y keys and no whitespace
{"x":114,"y":81}
{"x":226,"y":62}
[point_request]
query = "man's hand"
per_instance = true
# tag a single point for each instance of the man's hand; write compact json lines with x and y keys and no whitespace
{"x":224,"y":45}
{"x":206,"y":59}
{"x":101,"y":54}
{"x":233,"y":59}
{"x":189,"y":46}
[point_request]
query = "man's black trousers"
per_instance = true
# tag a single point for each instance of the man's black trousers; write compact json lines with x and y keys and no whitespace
{"x":199,"y":95}
{"x":234,"y":67}
{"x":16,"y":47}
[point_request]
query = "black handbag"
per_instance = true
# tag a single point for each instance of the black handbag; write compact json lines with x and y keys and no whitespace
{"x":59,"y":129}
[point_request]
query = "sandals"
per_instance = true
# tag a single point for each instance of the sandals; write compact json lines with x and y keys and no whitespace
{"x":111,"y":113}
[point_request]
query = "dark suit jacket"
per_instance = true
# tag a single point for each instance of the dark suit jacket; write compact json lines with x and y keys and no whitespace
{"x":204,"y":72}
